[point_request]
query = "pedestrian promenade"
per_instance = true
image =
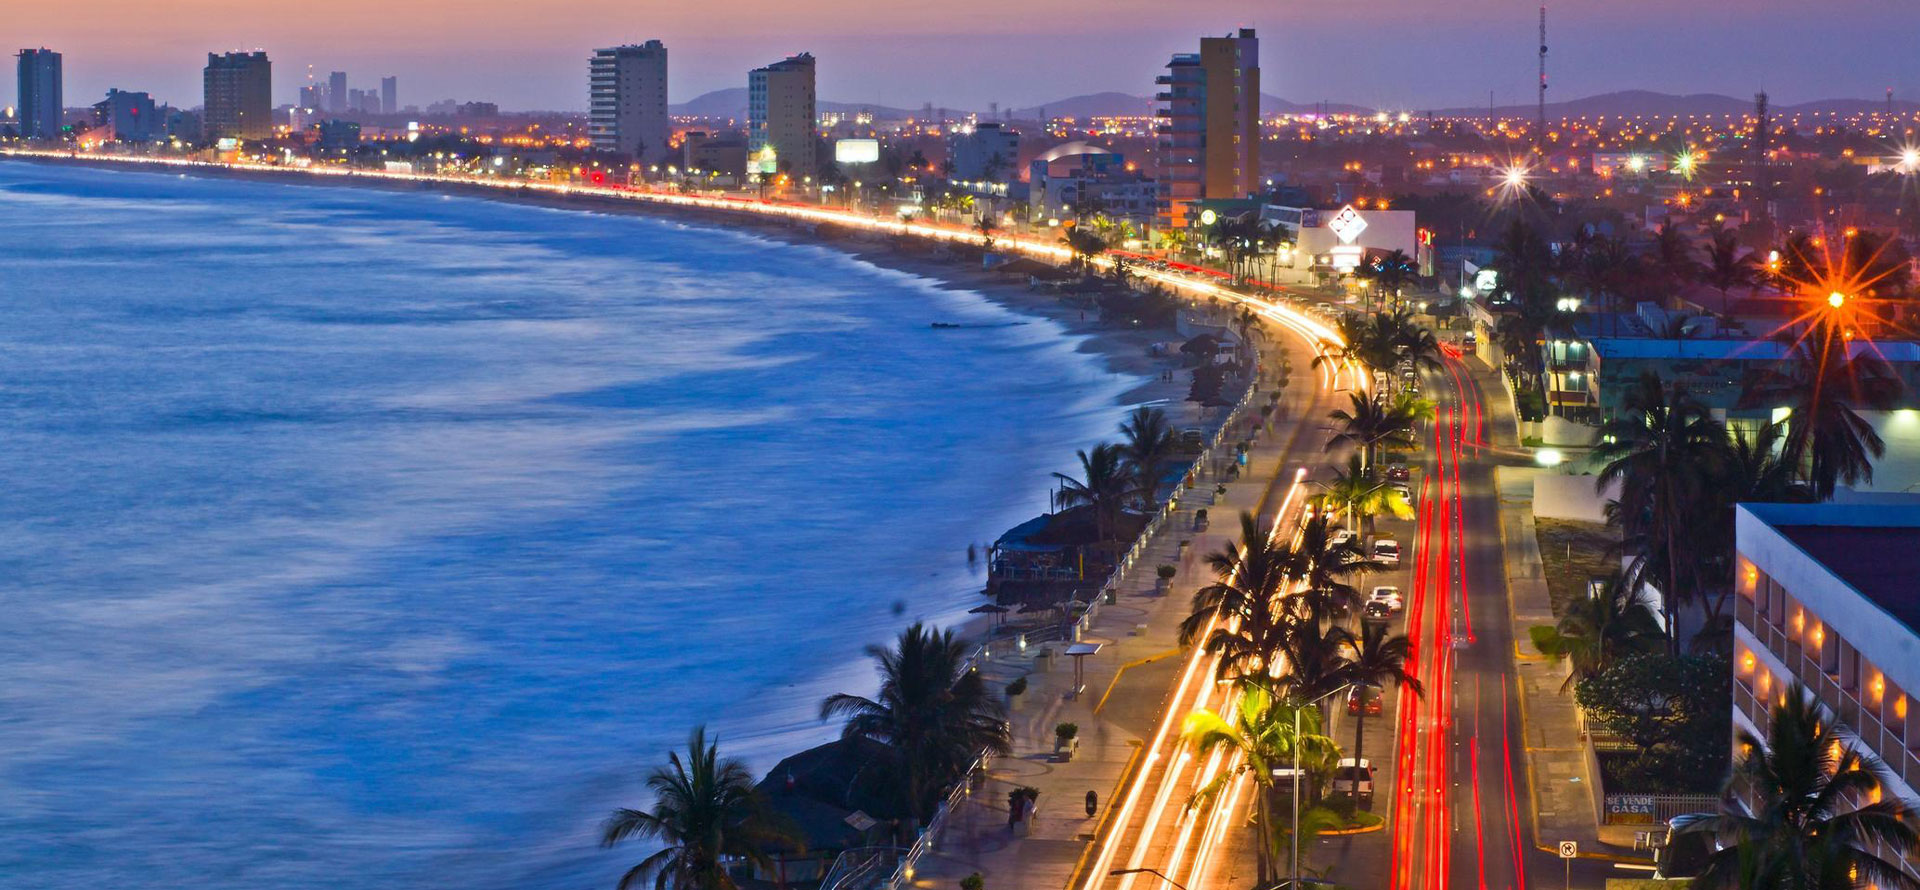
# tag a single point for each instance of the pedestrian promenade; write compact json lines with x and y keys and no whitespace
{"x":1126,"y":683}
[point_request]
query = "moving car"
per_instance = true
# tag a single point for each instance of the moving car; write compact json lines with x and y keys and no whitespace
{"x":1354,"y":777}
{"x":1387,"y":596}
{"x":1398,"y":472}
{"x":1379,"y":613}
{"x":1387,"y":550}
{"x":1365,"y":698}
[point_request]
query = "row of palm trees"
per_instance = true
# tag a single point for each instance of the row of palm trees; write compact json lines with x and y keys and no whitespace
{"x":1277,"y":617}
{"x":930,"y":719}
{"x":1117,"y":476}
{"x":1680,"y":471}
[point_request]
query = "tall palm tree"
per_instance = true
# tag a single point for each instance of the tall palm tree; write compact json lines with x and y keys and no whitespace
{"x":1801,"y":827}
{"x":705,"y":812}
{"x":1323,"y":567}
{"x":1370,"y":426}
{"x":985,"y":225}
{"x":1316,"y":659}
{"x":1262,"y":732}
{"x":1727,"y":266}
{"x":1248,"y":621}
{"x":1660,"y":450}
{"x":1752,"y":470}
{"x":1085,"y":245}
{"x":1597,"y":631}
{"x":1673,"y":257}
{"x":1106,"y":484}
{"x":932,"y":713}
{"x":1149,"y":445}
{"x":1824,"y":383}
{"x":1378,"y":660}
{"x":1358,"y":493}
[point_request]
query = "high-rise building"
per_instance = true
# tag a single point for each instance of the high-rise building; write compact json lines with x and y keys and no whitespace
{"x":780,"y":117}
{"x":41,"y":109}
{"x":627,"y":95}
{"x":313,"y":98}
{"x":389,"y":95}
{"x":1209,"y":124}
{"x":127,"y":117}
{"x":985,"y":151}
{"x":239,"y":96}
{"x":337,"y":91}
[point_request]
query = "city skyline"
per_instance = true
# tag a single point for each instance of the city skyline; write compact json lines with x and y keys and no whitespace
{"x":1389,"y":55}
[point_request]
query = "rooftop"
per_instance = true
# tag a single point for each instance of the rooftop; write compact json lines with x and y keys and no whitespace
{"x":1873,"y":548}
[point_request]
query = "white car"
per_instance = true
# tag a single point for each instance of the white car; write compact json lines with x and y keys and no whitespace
{"x":1354,"y":777}
{"x":1389,"y":596}
{"x":1341,"y":537}
{"x":1387,"y":550}
{"x":1405,"y":493}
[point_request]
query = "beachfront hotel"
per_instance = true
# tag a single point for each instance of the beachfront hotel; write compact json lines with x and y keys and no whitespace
{"x":1827,"y":598}
{"x":780,"y":117}
{"x":1209,"y":130}
{"x":239,"y":96}
{"x":627,"y":101}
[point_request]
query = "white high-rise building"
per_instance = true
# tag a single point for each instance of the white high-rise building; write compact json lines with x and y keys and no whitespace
{"x":628,"y":101}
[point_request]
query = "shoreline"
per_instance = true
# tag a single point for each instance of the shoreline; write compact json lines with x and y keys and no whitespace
{"x":1122,"y":351}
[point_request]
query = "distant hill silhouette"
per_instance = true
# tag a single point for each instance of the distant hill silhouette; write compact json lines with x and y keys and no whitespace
{"x":1648,"y":102}
{"x":732,"y":103}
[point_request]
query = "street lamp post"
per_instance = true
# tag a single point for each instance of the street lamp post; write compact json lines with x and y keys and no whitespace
{"x":1152,"y":871}
{"x":1295,"y":870}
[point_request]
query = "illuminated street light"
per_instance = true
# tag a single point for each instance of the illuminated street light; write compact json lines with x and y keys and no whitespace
{"x":1836,"y":299}
{"x":1910,"y":160}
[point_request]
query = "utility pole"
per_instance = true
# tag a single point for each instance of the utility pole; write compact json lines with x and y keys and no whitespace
{"x":1540,"y":123}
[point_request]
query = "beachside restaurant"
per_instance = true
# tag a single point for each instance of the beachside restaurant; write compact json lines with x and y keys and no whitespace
{"x":837,"y":797}
{"x":1055,"y":557}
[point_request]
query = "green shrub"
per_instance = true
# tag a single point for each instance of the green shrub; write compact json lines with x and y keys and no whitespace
{"x":1066,"y":731}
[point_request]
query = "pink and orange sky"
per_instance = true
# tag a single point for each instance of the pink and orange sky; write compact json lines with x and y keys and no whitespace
{"x":1387,"y":53}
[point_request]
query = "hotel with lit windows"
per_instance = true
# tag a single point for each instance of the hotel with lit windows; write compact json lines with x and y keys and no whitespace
{"x":1829,"y":595}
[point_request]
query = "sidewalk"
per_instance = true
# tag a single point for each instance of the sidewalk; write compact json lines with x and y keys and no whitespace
{"x":1560,"y":769}
{"x":1127,"y":683}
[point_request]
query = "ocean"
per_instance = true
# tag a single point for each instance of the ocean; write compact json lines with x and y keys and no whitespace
{"x":360,"y":539}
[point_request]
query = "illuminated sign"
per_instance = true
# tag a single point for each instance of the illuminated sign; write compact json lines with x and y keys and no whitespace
{"x":1347,"y":224}
{"x":1486,"y":280}
{"x":228,"y":144}
{"x":766,"y":161}
{"x":856,"y":151}
{"x":1346,"y":257}
{"x":1207,"y":217}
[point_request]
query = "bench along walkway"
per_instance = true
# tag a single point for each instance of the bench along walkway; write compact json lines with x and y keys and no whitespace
{"x":1126,"y":682}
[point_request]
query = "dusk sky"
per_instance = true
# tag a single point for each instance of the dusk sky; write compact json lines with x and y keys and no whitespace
{"x":1385,"y":53}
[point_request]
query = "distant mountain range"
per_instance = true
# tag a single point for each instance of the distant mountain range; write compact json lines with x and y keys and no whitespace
{"x":732,"y":103}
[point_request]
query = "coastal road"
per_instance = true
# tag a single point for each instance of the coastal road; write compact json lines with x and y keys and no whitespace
{"x":1153,"y":828}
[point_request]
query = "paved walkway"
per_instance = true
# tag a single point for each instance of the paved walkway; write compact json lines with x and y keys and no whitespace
{"x":1126,"y":685}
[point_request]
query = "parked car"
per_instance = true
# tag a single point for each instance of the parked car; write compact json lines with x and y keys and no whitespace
{"x":1398,"y":472}
{"x":1365,"y":698}
{"x":1341,"y":537}
{"x":1379,"y":613}
{"x":1469,"y":341}
{"x":1354,"y":777}
{"x":1388,"y":596}
{"x":1387,"y":550}
{"x":1404,"y":491}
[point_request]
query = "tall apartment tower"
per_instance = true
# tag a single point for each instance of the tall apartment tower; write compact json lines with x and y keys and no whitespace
{"x":389,"y":95}
{"x":337,"y":91}
{"x":780,"y":116}
{"x":41,"y":104}
{"x":1210,"y":124}
{"x":239,"y":96}
{"x":627,"y":100}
